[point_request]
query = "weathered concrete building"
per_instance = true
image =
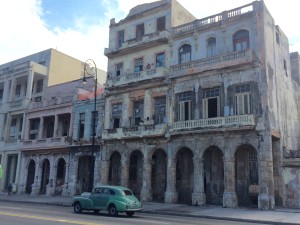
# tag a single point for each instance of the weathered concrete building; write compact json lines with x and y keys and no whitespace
{"x":199,"y":110}
{"x":21,"y":81}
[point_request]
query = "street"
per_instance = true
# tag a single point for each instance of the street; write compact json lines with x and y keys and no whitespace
{"x":12,"y":213}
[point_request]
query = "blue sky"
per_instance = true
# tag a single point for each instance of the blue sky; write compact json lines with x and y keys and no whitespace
{"x":80,"y":28}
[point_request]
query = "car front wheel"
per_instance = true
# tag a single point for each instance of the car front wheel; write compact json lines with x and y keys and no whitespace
{"x":129,"y":213}
{"x":77,"y":207}
{"x":112,"y":211}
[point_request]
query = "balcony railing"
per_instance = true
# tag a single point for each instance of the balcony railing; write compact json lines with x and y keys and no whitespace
{"x":215,"y":62}
{"x":43,"y":143}
{"x":137,"y":76}
{"x":134,"y":132}
{"x":51,"y":102}
{"x":240,"y":120}
{"x":213,"y":19}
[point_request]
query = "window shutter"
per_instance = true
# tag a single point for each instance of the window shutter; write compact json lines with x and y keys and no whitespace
{"x":190,"y":110}
{"x":218,"y":103}
{"x":204,"y":108}
{"x":181,"y":111}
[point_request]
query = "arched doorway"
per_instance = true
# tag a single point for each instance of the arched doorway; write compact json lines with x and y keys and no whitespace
{"x":45,"y":176}
{"x":60,"y":176}
{"x":184,"y":175}
{"x":84,"y":174}
{"x":136,"y":172}
{"x":246,"y":176}
{"x":159,"y":175}
{"x":30,"y":176}
{"x":213,"y":175}
{"x":114,"y":174}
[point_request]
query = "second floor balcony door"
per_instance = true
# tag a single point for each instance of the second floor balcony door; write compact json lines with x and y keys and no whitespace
{"x":211,"y":103}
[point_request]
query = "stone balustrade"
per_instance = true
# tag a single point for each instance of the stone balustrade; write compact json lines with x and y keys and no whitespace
{"x":212,"y":19}
{"x":43,"y":143}
{"x":239,"y":120}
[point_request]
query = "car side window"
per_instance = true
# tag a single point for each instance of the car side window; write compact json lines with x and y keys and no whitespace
{"x":111,"y":192}
{"x":106,"y":191}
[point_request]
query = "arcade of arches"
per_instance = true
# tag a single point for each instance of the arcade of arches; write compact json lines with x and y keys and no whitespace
{"x":172,"y":173}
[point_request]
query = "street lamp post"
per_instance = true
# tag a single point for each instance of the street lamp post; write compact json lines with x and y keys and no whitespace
{"x":90,"y":69}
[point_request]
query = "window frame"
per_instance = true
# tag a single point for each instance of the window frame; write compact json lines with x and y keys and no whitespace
{"x":185,"y":53}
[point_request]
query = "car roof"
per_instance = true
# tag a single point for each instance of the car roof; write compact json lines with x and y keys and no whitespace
{"x":114,"y":187}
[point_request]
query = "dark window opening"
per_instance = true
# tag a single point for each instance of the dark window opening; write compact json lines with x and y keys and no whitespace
{"x":119,"y":69}
{"x":212,"y":107}
{"x":241,"y":40}
{"x":160,"y":110}
{"x":160,"y":60}
{"x":185,"y":53}
{"x":138,"y":66}
{"x":140,"y":31}
{"x":161,"y":23}
{"x":81,"y":125}
{"x":120,"y":38}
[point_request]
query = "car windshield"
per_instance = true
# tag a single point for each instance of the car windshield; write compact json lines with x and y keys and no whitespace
{"x":126,"y":192}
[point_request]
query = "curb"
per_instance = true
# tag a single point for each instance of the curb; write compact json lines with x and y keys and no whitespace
{"x":161,"y":213}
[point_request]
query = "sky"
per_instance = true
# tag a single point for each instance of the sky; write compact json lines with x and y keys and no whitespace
{"x":81,"y":28}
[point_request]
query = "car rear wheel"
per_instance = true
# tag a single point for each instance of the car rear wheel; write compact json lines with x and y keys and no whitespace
{"x":129,"y":213}
{"x":112,"y":211}
{"x":77,"y":207}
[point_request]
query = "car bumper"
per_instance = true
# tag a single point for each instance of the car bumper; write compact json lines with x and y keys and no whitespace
{"x":133,"y":210}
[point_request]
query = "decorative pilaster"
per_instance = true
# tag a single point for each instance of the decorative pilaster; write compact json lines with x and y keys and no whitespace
{"x":36,"y":184}
{"x":104,"y":171}
{"x":229,"y":196}
{"x":198,"y":195}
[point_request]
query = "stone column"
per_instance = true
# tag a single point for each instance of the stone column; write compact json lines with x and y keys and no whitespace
{"x":12,"y":89}
{"x":23,"y":126}
{"x":7,"y":127}
{"x":23,"y":178}
{"x":55,"y":134}
{"x":26,"y":129}
{"x":125,"y":172}
{"x":198,"y":195}
{"x":104,"y":171}
{"x":36,"y":184}
{"x":41,"y":128}
{"x":6,"y":92}
{"x":65,"y":186}
{"x":2,"y":125}
{"x":197,"y":113}
{"x":71,"y":125}
{"x":171,"y":195}
{"x":29,"y":84}
{"x":50,"y":187}
{"x":229,"y":196}
{"x":146,"y":193}
{"x":266,"y":197}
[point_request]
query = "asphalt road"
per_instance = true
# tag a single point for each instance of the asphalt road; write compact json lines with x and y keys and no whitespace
{"x":32,"y":214}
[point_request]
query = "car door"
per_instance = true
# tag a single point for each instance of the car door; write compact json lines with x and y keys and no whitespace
{"x":104,"y":197}
{"x":96,"y":197}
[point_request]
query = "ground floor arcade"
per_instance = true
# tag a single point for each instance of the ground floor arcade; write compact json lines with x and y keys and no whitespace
{"x":232,"y":170}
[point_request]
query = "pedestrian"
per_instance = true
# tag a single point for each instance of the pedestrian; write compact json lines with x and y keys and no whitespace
{"x":9,"y":189}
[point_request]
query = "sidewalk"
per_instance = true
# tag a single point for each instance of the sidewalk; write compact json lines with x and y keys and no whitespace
{"x":278,"y":216}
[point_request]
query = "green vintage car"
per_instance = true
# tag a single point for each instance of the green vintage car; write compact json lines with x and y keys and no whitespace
{"x":115,"y":199}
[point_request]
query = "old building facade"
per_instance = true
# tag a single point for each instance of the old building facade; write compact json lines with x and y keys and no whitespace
{"x":21,"y":81}
{"x":199,"y":110}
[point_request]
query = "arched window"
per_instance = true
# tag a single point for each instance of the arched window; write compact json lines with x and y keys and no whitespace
{"x":241,"y":40}
{"x":185,"y":53}
{"x":211,"y":47}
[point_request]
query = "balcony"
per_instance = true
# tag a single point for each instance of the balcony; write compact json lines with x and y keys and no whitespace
{"x":135,"y":132}
{"x":59,"y":100}
{"x":146,"y":41}
{"x":46,"y":143}
{"x":135,"y":77}
{"x":218,"y":122}
{"x":215,"y":62}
